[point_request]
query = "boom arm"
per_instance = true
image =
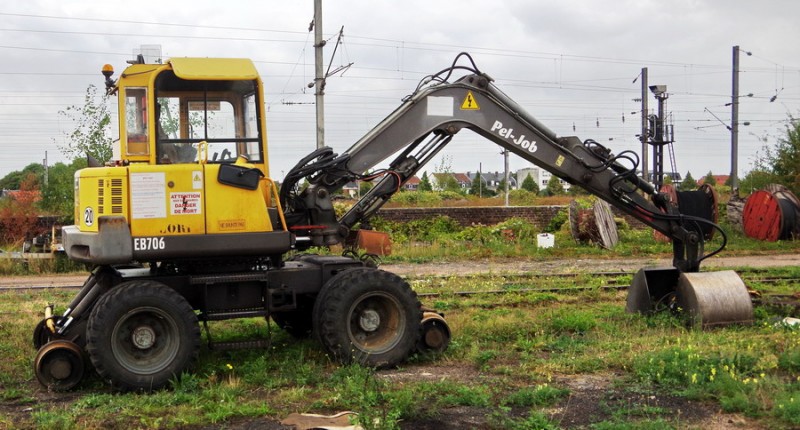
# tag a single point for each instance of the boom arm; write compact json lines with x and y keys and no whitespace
{"x":426,"y":122}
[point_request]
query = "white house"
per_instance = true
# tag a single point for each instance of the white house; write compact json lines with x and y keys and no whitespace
{"x":540,"y":176}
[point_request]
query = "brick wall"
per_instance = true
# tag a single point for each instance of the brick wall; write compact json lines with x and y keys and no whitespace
{"x":540,"y":216}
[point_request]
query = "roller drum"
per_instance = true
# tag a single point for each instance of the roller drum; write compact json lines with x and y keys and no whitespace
{"x":714,"y":298}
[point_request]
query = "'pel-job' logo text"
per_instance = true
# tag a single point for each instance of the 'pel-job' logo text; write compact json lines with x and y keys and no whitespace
{"x":508,"y":133}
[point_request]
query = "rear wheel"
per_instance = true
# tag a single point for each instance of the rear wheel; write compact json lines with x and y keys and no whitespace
{"x":368,"y":316}
{"x":141,"y":334}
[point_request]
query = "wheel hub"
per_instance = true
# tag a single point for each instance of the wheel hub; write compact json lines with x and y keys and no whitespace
{"x":143,"y":337}
{"x":369,"y":320}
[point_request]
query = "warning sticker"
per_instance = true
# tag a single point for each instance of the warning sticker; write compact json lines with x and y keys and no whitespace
{"x":148,"y":195}
{"x":184,"y":203}
{"x":197,"y":180}
{"x":469,"y":102}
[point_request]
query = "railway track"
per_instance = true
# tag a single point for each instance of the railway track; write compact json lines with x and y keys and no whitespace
{"x":526,"y":283}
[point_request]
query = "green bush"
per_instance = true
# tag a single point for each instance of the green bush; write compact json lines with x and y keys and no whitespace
{"x":509,"y":230}
{"x":418,"y":198}
{"x":522,"y":198}
{"x":557,"y":221}
{"x":439,"y":227}
{"x":451,"y":195}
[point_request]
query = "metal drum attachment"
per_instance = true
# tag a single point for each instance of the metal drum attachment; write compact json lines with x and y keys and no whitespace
{"x":714,"y":298}
{"x":707,"y":299}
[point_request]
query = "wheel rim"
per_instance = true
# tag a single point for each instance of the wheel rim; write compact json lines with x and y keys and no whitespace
{"x":145,"y":340}
{"x":376,"y":322}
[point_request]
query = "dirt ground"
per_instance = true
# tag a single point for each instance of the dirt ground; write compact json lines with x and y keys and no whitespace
{"x":591,"y":396}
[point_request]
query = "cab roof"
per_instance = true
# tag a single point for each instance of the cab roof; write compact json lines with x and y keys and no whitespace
{"x":214,"y":68}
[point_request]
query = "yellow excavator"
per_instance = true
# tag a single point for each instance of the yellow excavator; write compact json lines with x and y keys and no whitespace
{"x":184,"y":226}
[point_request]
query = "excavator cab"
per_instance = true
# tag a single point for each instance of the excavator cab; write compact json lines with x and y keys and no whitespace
{"x":189,"y":174}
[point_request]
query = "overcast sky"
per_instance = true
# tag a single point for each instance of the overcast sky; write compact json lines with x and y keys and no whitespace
{"x":571,"y":64}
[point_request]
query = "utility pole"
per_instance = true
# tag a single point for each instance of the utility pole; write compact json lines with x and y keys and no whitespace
{"x":643,"y":136}
{"x":505,"y":155}
{"x":44,"y":162}
{"x":319,"y":79}
{"x":735,"y":123}
{"x":480,"y":180}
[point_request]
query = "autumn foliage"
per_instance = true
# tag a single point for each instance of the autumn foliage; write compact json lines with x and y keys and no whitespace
{"x":19,"y":213}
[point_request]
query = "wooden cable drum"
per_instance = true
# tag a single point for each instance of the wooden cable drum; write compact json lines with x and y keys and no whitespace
{"x":771,"y":214}
{"x":595,"y":225}
{"x":672,"y":194}
{"x":701,"y":203}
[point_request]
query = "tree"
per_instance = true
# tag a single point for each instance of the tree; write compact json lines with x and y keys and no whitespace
{"x":688,"y":183}
{"x":501,"y":186}
{"x":529,"y":184}
{"x":710,"y":179}
{"x":447,"y":182}
{"x":92,"y":121}
{"x":785,"y":159}
{"x":425,"y":183}
{"x":59,"y":193}
{"x":554,"y":187}
{"x":755,"y":180}
{"x":13,"y":180}
{"x":18,"y":213}
{"x":477,"y":188}
{"x":364,"y":187}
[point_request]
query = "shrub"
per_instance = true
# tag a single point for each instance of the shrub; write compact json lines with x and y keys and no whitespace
{"x":522,"y":197}
{"x":557,"y":221}
{"x":418,"y":198}
{"x":426,"y":229}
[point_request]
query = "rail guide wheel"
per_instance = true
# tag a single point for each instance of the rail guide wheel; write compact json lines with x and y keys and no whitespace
{"x":707,"y":299}
{"x":59,"y":365}
{"x":435,"y":333}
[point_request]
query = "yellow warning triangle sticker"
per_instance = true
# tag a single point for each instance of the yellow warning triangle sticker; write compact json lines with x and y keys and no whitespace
{"x":469,"y":102}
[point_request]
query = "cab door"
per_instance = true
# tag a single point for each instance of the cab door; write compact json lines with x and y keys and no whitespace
{"x":167,"y":200}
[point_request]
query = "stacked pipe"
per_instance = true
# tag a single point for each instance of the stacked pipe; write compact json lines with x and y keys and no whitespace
{"x":772,"y":214}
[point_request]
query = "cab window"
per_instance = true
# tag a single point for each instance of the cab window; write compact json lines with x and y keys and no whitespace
{"x":222,"y":114}
{"x":136,"y":129}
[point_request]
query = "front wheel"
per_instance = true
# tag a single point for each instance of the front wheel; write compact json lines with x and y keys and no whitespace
{"x":141,"y":334}
{"x":368,"y":316}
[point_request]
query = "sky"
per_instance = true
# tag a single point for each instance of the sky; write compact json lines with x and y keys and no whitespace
{"x":573,"y":64}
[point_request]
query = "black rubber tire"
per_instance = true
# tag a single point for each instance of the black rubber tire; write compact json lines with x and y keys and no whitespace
{"x":368,"y":316}
{"x":167,"y":330}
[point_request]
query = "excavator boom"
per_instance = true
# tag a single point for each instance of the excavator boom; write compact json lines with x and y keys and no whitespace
{"x":426,"y":122}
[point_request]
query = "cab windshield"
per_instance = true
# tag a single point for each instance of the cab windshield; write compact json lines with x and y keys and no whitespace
{"x":222,"y":113}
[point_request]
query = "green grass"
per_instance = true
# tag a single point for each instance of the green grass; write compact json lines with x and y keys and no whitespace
{"x":438,"y":239}
{"x":511,"y":358}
